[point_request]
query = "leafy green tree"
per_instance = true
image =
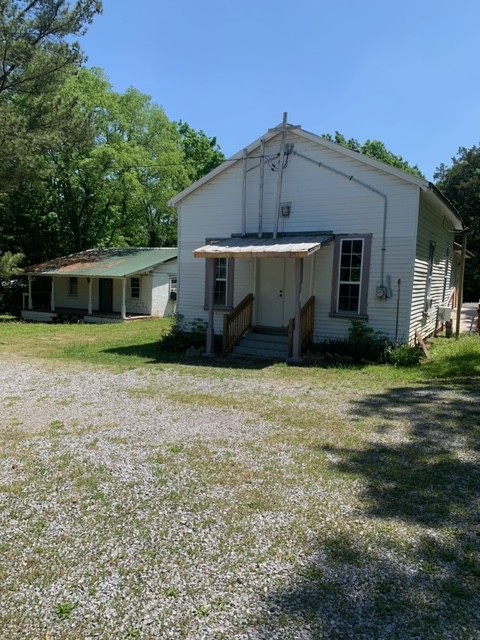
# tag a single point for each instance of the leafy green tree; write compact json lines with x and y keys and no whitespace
{"x":35,"y":41}
{"x":202,"y":154}
{"x":461,"y":185}
{"x":376,"y":150}
{"x":37,"y":51}
{"x":109,"y":180}
{"x":10,"y":264}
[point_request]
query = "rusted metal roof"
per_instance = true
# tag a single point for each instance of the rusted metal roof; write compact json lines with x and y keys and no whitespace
{"x":105,"y":263}
{"x":298,"y":246}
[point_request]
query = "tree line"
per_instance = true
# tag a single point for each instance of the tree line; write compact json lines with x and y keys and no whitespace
{"x":83,"y":166}
{"x":80,"y":164}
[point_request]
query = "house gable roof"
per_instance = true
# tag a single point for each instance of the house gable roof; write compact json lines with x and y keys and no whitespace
{"x":105,"y":263}
{"x":423,"y":185}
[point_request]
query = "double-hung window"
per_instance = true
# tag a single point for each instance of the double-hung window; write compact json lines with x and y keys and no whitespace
{"x":222,"y":281}
{"x":350,"y":275}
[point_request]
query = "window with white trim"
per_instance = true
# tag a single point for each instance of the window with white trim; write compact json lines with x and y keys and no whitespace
{"x":350,"y":275}
{"x":135,"y":287}
{"x":222,"y":278}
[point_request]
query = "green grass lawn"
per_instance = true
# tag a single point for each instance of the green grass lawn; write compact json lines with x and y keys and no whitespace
{"x":134,"y":344}
{"x":128,"y":344}
{"x":310,"y":502}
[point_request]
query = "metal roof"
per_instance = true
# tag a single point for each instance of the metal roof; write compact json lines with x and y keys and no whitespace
{"x":297,"y":246}
{"x":105,"y":263}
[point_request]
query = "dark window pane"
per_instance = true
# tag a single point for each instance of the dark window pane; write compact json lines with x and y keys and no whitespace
{"x":355,"y":275}
{"x":220,"y":292}
{"x":221,"y":269}
{"x":348,"y":297}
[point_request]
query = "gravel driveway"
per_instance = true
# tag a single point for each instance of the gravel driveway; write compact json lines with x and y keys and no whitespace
{"x":160,"y":504}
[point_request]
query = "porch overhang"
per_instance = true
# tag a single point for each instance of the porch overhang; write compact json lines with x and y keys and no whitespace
{"x":298,"y":246}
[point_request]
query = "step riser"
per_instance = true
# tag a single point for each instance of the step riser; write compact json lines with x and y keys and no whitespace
{"x":257,"y":353}
{"x":262,"y":345}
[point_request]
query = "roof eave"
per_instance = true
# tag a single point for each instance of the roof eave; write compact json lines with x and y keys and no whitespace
{"x":446,"y":202}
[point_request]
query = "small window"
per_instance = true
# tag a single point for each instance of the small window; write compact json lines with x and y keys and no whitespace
{"x":350,"y":276}
{"x":172,"y":287}
{"x":135,"y":287}
{"x":73,"y":287}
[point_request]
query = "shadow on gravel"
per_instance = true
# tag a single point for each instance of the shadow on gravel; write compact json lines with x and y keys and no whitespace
{"x":152,"y":355}
{"x":366,"y":579}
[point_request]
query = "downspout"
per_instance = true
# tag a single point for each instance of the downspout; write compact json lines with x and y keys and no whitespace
{"x":365,"y":186}
{"x":260,"y":190}
{"x":280,"y":176}
{"x":399,"y":282}
{"x":460,"y":284}
{"x":244,"y":193}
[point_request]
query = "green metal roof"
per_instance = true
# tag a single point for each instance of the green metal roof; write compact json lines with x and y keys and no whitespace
{"x":105,"y":263}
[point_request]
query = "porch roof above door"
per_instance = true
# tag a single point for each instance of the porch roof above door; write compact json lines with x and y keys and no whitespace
{"x":298,"y":246}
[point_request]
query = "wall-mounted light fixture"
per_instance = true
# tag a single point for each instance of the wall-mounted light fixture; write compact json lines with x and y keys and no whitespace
{"x":285,"y":208}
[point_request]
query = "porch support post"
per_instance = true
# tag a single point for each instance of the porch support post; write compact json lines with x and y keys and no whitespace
{"x":297,"y":332}
{"x":90,"y":306}
{"x":52,"y":296}
{"x":30,"y":299}
{"x":124,"y":306}
{"x":210,"y":346}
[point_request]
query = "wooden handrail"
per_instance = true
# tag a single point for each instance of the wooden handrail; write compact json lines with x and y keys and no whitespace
{"x":307,"y":317}
{"x":236,"y":323}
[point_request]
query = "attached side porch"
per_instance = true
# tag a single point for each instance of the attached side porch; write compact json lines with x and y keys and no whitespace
{"x":86,"y":299}
{"x":279,"y":311}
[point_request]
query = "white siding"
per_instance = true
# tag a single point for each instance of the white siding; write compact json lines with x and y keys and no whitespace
{"x":161,"y":304}
{"x":430,"y":229}
{"x":321,"y":200}
{"x":63,"y":297}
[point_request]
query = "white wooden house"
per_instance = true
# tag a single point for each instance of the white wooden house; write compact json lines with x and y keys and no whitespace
{"x":304,"y":233}
{"x":104,"y":285}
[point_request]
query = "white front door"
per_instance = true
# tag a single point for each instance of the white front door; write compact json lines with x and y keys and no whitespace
{"x":275,"y":292}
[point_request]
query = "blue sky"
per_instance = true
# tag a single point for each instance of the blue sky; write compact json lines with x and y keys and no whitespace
{"x":406,"y":73}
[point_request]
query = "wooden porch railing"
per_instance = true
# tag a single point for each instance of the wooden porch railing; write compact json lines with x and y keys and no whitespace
{"x":307,"y":317}
{"x":236,"y":323}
